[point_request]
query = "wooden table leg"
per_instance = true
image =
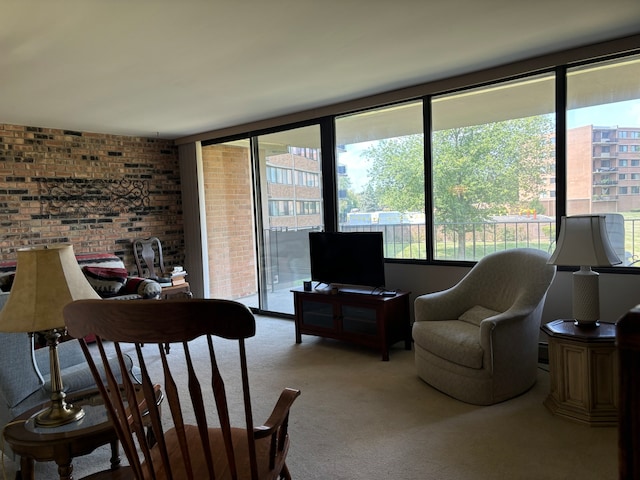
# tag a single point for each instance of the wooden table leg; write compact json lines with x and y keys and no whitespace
{"x":115,"y":455}
{"x":65,"y":470}
{"x":27,"y":468}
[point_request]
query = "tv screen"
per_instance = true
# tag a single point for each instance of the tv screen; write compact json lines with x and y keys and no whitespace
{"x":355,"y":258}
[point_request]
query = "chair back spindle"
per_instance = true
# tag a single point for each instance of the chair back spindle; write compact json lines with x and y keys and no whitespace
{"x":196,"y":431}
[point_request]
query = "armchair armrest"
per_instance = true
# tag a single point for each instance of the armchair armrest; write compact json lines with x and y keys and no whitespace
{"x":444,"y":305}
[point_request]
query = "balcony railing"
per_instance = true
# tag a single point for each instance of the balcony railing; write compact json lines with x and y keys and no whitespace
{"x":408,"y":241}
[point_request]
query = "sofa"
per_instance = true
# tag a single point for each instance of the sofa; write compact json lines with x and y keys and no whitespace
{"x":25,"y":373}
{"x":105,"y":272}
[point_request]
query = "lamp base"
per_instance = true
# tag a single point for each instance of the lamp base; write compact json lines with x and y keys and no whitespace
{"x":586,"y":325}
{"x":586,"y":298}
{"x":59,"y":413}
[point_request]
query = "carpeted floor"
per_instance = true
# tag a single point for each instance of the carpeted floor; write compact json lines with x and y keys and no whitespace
{"x":359,"y":418}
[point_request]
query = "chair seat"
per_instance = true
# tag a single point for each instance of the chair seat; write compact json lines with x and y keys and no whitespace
{"x":453,"y":340}
{"x":221,"y":466}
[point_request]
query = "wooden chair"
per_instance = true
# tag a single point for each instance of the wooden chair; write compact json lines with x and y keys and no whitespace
{"x":184,"y":450}
{"x":148,"y":255}
{"x":628,"y":346}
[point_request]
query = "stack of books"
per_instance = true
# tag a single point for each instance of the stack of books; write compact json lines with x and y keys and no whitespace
{"x":178,"y":276}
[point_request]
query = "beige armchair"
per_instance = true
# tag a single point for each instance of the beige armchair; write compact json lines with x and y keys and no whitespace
{"x":478,"y":340}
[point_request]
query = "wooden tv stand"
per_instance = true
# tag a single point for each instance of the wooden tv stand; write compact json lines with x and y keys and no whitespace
{"x":366,"y":319}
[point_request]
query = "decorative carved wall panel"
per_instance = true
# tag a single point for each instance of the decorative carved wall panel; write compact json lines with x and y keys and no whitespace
{"x":80,"y":196}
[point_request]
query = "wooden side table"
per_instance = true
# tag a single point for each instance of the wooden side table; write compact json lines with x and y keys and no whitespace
{"x":62,"y":444}
{"x":583,"y":367}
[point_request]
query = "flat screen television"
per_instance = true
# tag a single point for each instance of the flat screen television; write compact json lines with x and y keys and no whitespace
{"x":347,"y":258}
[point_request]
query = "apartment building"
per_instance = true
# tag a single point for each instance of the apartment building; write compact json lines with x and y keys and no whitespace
{"x":603,"y":168}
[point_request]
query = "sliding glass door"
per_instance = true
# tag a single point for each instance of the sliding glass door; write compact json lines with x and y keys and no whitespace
{"x":290,"y":206}
{"x":263,"y":196}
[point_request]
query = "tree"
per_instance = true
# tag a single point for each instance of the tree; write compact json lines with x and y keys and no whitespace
{"x":478,"y":171}
{"x":485,"y":170}
{"x":396,"y":175}
{"x":347,"y":198}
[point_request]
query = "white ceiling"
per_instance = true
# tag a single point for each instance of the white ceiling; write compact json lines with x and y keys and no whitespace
{"x":172,"y":68}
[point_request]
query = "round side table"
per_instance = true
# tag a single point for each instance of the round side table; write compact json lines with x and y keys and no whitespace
{"x":61,"y":444}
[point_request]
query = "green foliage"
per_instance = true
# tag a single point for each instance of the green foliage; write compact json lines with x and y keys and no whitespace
{"x":480,"y":170}
{"x":396,"y":176}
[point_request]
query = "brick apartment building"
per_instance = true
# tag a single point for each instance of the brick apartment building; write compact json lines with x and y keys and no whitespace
{"x":294,"y":188}
{"x":603,"y":171}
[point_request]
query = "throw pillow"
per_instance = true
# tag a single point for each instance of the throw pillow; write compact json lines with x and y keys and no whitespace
{"x":144,"y":287}
{"x":476,"y":314}
{"x":106,"y":281}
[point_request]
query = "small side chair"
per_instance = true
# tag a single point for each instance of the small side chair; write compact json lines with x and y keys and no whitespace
{"x":187,"y":445}
{"x":149,"y":260}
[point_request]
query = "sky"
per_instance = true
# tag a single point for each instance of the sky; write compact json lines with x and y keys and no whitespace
{"x":620,"y":114}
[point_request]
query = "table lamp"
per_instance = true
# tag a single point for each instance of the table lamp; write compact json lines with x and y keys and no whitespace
{"x":584,"y":242}
{"x":47,"y":278}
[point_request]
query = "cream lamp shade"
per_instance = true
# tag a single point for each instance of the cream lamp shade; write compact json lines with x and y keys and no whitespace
{"x":48,"y":277}
{"x":584,"y":242}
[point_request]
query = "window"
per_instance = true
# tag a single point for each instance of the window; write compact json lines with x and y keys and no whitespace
{"x":308,"y":179}
{"x":280,"y":208}
{"x":601,"y":98}
{"x":492,"y":157}
{"x":279,"y":175}
{"x":380,"y":174}
{"x":622,"y":176}
{"x":307,"y":208}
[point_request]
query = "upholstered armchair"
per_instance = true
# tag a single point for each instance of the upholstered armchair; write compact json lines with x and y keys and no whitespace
{"x":478,"y":340}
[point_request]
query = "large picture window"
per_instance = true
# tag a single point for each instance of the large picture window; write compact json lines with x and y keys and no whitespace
{"x":380,"y":177}
{"x":603,"y":161}
{"x":493,"y":169}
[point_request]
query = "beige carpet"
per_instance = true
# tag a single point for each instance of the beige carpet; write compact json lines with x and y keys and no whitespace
{"x":361,"y":418}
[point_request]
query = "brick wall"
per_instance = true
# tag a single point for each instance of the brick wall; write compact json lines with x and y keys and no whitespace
{"x":229,"y":212}
{"x":95,"y":191}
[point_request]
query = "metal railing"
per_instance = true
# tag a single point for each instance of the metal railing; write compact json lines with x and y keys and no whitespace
{"x":408,"y":241}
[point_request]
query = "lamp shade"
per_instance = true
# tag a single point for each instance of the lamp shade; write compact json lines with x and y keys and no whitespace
{"x":48,"y":277}
{"x":583,"y":241}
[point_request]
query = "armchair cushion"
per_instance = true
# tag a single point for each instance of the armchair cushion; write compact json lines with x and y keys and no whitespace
{"x":457,"y":341}
{"x":476,"y":314}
